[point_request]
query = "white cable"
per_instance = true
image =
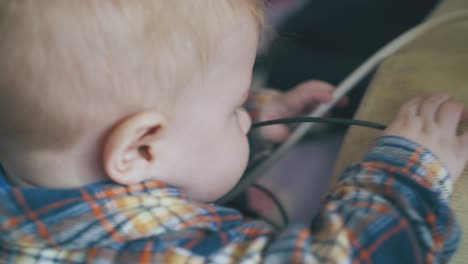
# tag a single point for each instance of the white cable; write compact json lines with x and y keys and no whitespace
{"x":342,"y":89}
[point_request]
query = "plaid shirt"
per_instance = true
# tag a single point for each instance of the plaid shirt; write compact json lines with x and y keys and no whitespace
{"x":390,"y":208}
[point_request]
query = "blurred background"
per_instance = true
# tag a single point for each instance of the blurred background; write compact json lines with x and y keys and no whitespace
{"x":324,"y":40}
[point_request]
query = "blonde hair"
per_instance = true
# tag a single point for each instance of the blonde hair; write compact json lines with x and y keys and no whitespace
{"x":66,"y":65}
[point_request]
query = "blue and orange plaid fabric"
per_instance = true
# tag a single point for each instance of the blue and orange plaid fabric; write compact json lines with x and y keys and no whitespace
{"x":390,"y":208}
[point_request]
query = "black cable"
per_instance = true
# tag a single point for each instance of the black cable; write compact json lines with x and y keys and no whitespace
{"x":275,"y":200}
{"x":337,"y":121}
{"x":341,"y":121}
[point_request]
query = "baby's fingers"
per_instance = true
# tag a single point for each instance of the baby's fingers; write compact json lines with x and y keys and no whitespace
{"x":464,"y":127}
{"x":275,"y":133}
{"x":450,"y":114}
{"x":465,"y":114}
{"x":464,"y":145}
{"x":307,"y":96}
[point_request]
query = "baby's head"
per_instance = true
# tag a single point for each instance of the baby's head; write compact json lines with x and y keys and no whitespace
{"x":126,"y":90}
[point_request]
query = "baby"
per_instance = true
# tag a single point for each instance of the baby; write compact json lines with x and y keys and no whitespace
{"x":121,"y":120}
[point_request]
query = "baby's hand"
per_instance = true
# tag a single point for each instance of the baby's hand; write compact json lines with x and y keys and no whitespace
{"x":432,"y":122}
{"x":303,"y":99}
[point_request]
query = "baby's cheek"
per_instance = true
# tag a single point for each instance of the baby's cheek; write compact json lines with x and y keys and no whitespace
{"x":244,"y":154}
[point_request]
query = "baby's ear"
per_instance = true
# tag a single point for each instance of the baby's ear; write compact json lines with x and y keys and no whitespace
{"x":130,"y":150}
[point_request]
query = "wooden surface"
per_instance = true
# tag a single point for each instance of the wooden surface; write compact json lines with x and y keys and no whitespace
{"x":437,"y":61}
